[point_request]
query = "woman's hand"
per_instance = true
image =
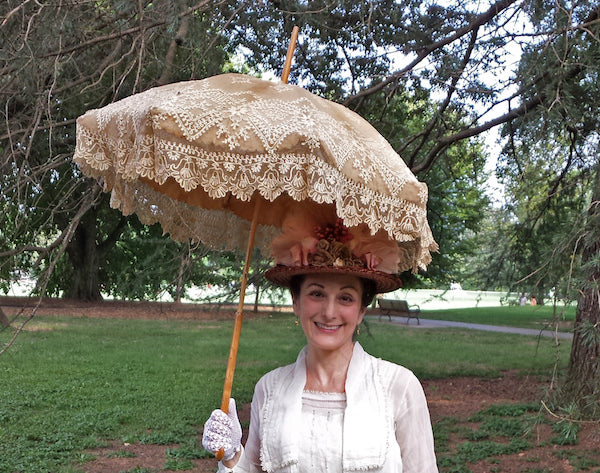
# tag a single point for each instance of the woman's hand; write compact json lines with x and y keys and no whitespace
{"x":223,"y":431}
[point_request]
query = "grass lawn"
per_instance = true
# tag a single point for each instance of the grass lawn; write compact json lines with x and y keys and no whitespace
{"x":69,"y":384}
{"x":535,"y":317}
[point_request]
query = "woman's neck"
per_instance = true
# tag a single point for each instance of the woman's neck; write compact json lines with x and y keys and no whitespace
{"x":326,"y":371}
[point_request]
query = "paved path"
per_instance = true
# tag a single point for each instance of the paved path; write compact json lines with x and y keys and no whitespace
{"x":429,"y":323}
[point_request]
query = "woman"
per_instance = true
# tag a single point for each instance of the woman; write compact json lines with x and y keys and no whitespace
{"x":336,"y":408}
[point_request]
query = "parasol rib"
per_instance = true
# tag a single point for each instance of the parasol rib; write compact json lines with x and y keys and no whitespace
{"x":239,"y":316}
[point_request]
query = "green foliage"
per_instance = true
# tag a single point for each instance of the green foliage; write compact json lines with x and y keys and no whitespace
{"x":507,"y":420}
{"x":498,"y":423}
{"x":107,"y":50}
{"x":504,"y":410}
{"x":579,"y":461}
{"x":567,"y":426}
{"x":139,"y":469}
{"x":181,"y":458}
{"x":87,"y":60}
{"x":547,"y":164}
{"x":503,"y":430}
{"x":471,"y":452}
{"x":589,"y":333}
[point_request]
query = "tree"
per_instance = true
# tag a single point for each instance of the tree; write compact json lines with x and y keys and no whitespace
{"x":563,"y":129}
{"x":104,"y":51}
{"x":582,"y":385}
{"x":96,"y":52}
{"x":430,"y":76}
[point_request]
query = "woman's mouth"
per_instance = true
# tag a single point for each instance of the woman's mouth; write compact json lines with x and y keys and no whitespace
{"x":328,"y":328}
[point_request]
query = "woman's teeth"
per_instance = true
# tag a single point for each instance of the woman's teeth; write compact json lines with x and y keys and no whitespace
{"x":327,"y":327}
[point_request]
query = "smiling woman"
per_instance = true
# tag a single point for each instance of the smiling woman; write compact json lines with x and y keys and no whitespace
{"x":330,"y":310}
{"x":336,"y":408}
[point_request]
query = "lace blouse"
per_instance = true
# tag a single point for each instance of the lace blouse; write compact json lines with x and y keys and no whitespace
{"x":320,"y":436}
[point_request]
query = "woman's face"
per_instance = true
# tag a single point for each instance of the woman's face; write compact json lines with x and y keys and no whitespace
{"x":329,"y":308}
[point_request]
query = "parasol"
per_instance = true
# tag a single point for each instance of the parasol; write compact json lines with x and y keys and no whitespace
{"x":223,"y":160}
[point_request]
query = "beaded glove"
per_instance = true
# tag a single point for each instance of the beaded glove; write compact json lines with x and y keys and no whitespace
{"x":223,"y":431}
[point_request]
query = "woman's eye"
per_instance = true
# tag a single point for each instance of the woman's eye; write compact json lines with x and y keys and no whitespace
{"x":347,"y":298}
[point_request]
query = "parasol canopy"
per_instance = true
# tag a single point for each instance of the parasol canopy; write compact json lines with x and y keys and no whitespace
{"x":197,"y":157}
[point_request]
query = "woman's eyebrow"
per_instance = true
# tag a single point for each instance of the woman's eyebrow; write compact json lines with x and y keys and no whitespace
{"x":350,"y":286}
{"x":315,"y":284}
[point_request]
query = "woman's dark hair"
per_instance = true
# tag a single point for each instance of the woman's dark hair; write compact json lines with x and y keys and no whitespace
{"x":368,"y":288}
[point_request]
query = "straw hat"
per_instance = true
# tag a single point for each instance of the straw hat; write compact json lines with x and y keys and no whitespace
{"x":282,"y":275}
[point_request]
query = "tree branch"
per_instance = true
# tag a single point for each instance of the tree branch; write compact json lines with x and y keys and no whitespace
{"x":65,"y":234}
{"x":478,"y":21}
{"x":165,"y":77}
{"x":121,"y":34}
{"x":445,"y":141}
{"x":427,"y":132}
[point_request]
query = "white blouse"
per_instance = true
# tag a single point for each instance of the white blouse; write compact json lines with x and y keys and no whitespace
{"x":320,"y":436}
{"x":380,"y":424}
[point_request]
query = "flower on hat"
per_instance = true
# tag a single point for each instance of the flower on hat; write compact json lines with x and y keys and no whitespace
{"x":307,"y":241}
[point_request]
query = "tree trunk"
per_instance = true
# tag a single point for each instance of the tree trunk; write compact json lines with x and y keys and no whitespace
{"x":4,"y":322}
{"x":182,"y":264}
{"x":582,"y":385}
{"x":257,"y":297}
{"x":583,"y":379}
{"x":83,"y":254}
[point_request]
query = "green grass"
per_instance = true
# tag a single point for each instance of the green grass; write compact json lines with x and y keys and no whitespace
{"x":69,"y":384}
{"x":450,"y":352}
{"x":502,"y":430}
{"x":580,"y":461}
{"x":536,"y":317}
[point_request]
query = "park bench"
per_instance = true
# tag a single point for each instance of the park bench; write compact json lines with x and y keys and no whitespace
{"x":391,"y":307}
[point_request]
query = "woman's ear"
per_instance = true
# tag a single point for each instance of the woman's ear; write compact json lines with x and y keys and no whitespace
{"x":361,"y":315}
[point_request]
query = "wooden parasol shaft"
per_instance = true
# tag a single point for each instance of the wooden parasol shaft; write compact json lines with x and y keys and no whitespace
{"x":290,"y":55}
{"x":239,"y":315}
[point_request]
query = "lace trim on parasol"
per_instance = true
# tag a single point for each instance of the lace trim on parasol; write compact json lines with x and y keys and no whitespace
{"x":298,"y":176}
{"x":216,"y":229}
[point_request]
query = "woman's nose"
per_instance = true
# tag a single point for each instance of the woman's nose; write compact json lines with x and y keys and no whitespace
{"x":329,"y":307}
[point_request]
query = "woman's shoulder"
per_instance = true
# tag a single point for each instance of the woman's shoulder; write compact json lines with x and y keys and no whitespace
{"x":396,"y":369}
{"x":389,"y":368}
{"x":396,"y":377}
{"x":273,"y":377}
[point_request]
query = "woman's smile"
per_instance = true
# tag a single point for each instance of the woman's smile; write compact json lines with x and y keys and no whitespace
{"x":327,"y":327}
{"x":329,"y":309}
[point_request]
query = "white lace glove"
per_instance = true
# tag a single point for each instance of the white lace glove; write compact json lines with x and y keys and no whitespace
{"x":223,"y":431}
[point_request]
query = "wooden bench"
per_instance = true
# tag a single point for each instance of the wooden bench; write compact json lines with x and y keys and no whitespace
{"x":391,"y":307}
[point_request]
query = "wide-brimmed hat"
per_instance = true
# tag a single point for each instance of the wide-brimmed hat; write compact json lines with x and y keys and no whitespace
{"x":282,"y":275}
{"x":309,"y":245}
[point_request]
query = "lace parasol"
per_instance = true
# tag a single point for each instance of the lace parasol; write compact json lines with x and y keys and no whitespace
{"x":196,"y":156}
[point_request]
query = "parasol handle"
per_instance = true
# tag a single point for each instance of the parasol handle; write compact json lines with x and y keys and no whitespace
{"x":239,"y":315}
{"x":237,"y":325}
{"x":290,"y":55}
